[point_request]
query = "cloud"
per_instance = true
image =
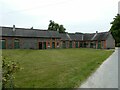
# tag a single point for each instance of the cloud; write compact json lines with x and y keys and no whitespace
{"x":86,"y":15}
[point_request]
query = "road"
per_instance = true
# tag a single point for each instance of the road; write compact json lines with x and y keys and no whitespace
{"x":106,"y":76}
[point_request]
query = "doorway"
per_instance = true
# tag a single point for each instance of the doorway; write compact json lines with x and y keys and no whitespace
{"x":76,"y":44}
{"x":99,"y":44}
{"x":16,"y":44}
{"x":70,"y":45}
{"x":3,"y":44}
{"x":40,"y":45}
{"x":64,"y":44}
{"x":44,"y":45}
{"x":53,"y":44}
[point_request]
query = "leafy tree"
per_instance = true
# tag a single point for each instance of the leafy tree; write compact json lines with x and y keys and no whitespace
{"x":115,"y":29}
{"x":56,"y":27}
{"x":61,"y":29}
{"x":51,"y":25}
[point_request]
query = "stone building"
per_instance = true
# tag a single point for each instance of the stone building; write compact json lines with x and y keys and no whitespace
{"x":23,"y":38}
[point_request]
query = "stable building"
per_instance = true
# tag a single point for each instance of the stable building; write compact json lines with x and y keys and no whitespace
{"x":23,"y":38}
{"x":20,"y":38}
{"x":65,"y":40}
{"x":102,"y":40}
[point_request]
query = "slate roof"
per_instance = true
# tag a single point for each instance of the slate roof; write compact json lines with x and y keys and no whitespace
{"x":72,"y":36}
{"x":6,"y":31}
{"x":78,"y":36}
{"x":88,"y":36}
{"x":54,"y":34}
{"x":101,"y":36}
{"x":65,"y":36}
{"x":22,"y":32}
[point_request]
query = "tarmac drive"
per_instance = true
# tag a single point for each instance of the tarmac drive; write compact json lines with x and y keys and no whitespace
{"x":106,"y":76}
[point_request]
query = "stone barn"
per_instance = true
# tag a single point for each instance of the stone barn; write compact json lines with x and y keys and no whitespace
{"x":25,"y":38}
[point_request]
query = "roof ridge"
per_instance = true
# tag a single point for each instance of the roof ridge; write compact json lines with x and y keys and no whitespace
{"x":94,"y":36}
{"x":25,"y":28}
{"x":68,"y":36}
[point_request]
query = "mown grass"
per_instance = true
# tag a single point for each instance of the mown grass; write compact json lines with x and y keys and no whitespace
{"x":63,"y":68}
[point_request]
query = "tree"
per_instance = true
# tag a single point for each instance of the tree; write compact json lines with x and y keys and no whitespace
{"x":51,"y":25}
{"x":56,"y":27}
{"x":115,"y":29}
{"x":61,"y":29}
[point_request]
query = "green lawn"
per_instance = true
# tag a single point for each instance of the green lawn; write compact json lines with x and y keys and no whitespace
{"x":57,"y":68}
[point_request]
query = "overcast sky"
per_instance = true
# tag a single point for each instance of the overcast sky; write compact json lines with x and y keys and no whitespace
{"x":86,"y":16}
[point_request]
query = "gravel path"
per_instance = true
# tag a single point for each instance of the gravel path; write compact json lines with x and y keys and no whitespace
{"x":106,"y":76}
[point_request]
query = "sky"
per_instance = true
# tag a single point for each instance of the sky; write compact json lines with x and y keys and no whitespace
{"x":86,"y":16}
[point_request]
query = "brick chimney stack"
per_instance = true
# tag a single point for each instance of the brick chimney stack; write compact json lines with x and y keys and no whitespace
{"x":13,"y":27}
{"x":96,"y":32}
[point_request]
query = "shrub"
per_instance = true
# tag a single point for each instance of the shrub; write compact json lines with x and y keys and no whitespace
{"x":118,"y":45}
{"x":8,"y":69}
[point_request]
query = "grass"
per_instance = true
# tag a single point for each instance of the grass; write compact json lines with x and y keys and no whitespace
{"x":63,"y":68}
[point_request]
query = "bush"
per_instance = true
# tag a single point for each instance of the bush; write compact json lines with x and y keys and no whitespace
{"x":8,"y":69}
{"x":118,"y":45}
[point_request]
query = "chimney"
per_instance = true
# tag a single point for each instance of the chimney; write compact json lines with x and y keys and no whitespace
{"x":13,"y":27}
{"x":119,"y":7}
{"x":82,"y":36}
{"x":96,"y":32}
{"x":58,"y":30}
{"x":31,"y":28}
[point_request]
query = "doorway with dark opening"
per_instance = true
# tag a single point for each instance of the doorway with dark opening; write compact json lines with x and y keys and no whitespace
{"x":40,"y":45}
{"x":53,"y":44}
